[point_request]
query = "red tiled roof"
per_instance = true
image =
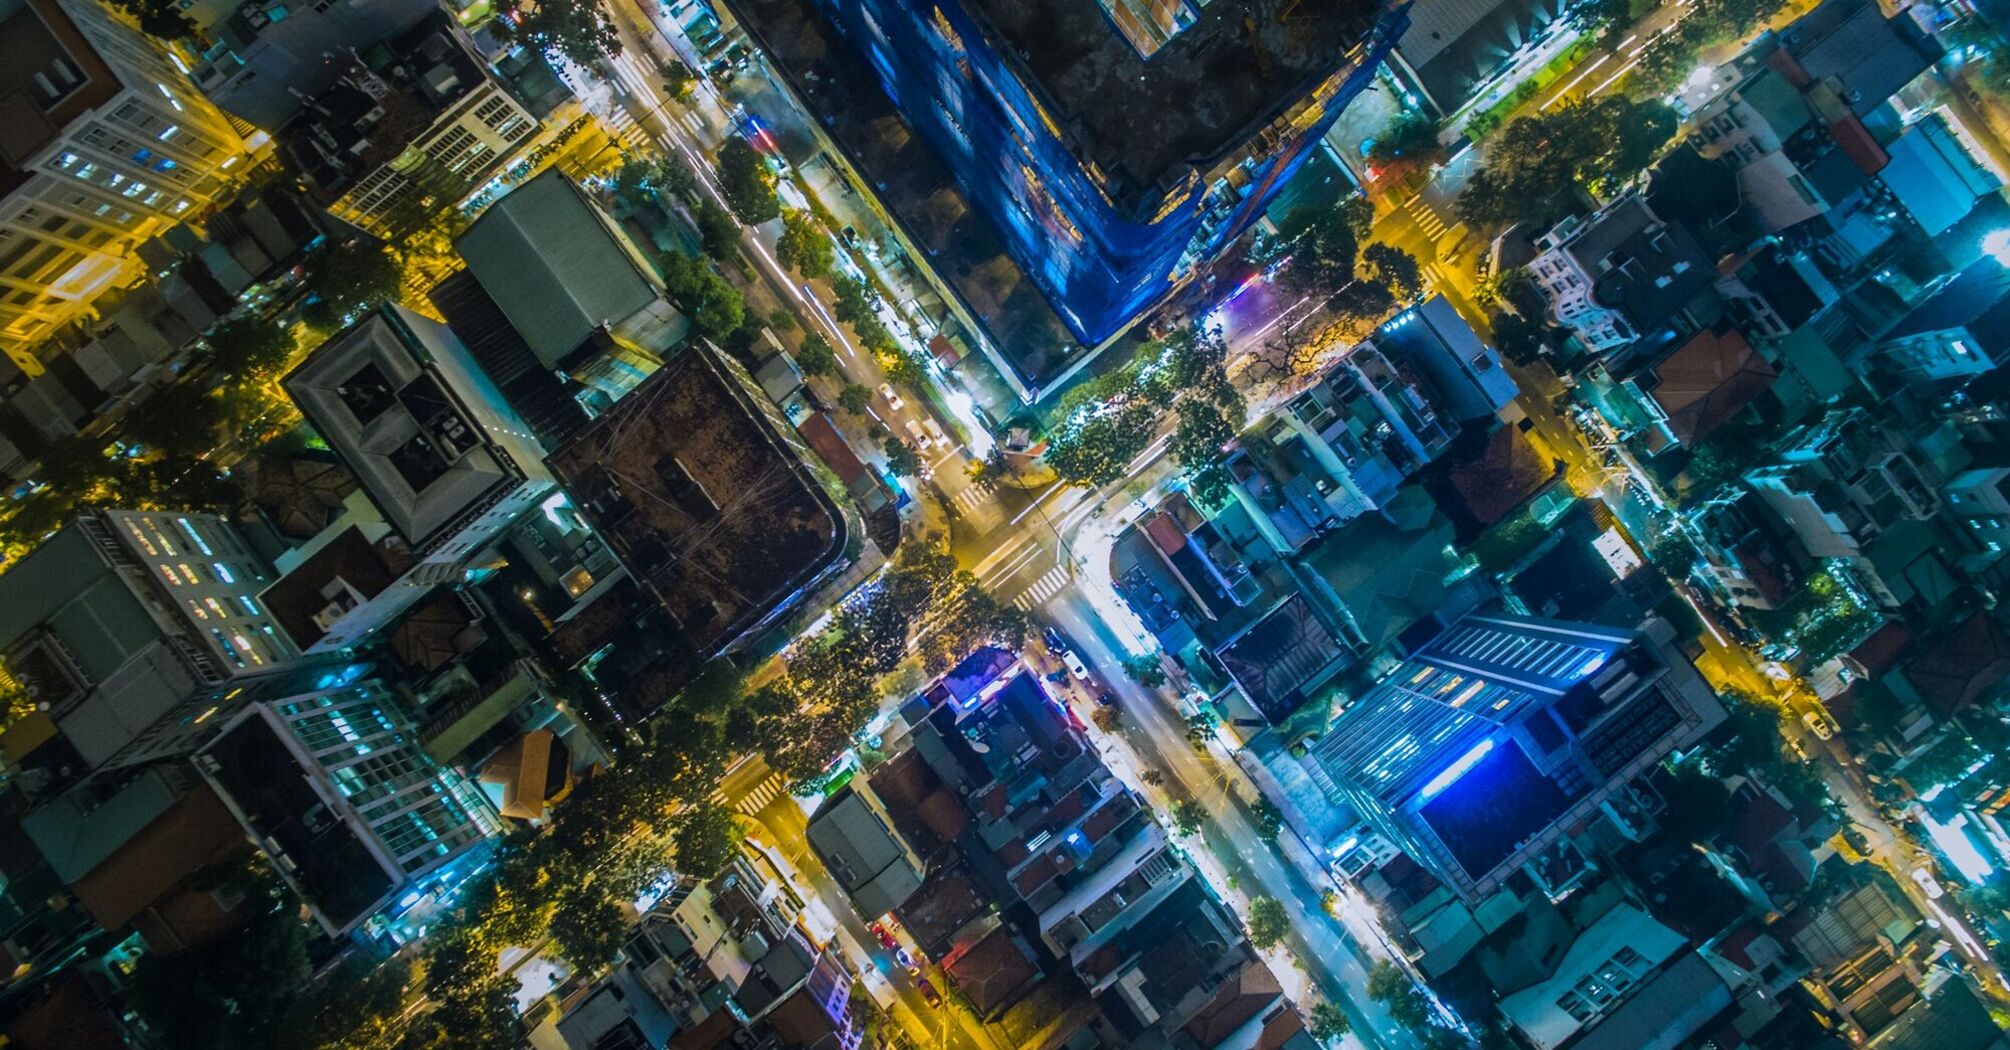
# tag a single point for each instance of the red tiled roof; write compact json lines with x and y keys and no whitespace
{"x":1507,"y":473}
{"x":1038,"y":873}
{"x":1857,"y":144}
{"x":1962,"y":665}
{"x":1708,"y":380}
{"x":1880,"y":652}
{"x":1238,"y":1001}
{"x":990,"y":971}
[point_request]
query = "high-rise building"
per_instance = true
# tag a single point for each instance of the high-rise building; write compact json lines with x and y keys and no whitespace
{"x":1111,"y":151}
{"x":122,"y":615}
{"x":1486,"y":746}
{"x":334,"y":786}
{"x":104,"y":142}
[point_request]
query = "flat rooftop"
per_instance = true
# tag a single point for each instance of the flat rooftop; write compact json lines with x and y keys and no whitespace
{"x":1239,"y":66}
{"x":692,"y":484}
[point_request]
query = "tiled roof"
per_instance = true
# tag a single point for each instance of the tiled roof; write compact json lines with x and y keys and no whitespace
{"x":1964,"y":664}
{"x":1708,"y":380}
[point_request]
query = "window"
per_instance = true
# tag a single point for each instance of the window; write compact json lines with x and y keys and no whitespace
{"x":222,"y":571}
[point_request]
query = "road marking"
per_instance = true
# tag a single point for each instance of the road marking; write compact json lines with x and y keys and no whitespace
{"x":1426,"y":219}
{"x":1565,"y":92}
{"x":969,"y":498}
{"x":1005,"y":571}
{"x":1053,"y":583}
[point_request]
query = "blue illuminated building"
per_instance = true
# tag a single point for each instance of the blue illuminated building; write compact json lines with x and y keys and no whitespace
{"x":1110,"y":155}
{"x":1479,"y":752}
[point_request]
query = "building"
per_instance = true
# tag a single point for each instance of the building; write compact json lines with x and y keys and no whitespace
{"x":1505,"y":735}
{"x":1959,"y":333}
{"x":121,"y":616}
{"x":258,"y":61}
{"x":418,"y":117}
{"x":1625,"y":981}
{"x":558,"y":305}
{"x":1112,"y":154}
{"x":1464,"y":375}
{"x":443,"y":460}
{"x":1841,"y":482}
{"x":332,"y":784}
{"x":107,"y":143}
{"x":700,"y":488}
{"x":1620,"y":276}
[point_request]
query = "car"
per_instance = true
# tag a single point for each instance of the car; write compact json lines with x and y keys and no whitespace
{"x":1075,"y":665}
{"x":928,"y":992}
{"x":885,"y":938}
{"x":935,"y":432}
{"x":1057,"y":643}
{"x":917,"y":436}
{"x":893,"y":400}
{"x":1819,"y":724}
{"x":1928,"y":884}
{"x":1106,"y":699}
{"x":906,"y":959}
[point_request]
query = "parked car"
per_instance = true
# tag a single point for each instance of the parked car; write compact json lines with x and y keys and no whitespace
{"x":1819,"y":724}
{"x":1075,"y":665}
{"x":936,"y":433}
{"x":893,"y":400}
{"x":928,"y":992}
{"x":885,"y":937}
{"x":1057,"y":643}
{"x":1928,"y":884}
{"x":917,"y":436}
{"x":1106,"y":698}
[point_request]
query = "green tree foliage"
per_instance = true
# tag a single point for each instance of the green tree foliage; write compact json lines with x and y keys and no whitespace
{"x":716,"y":307}
{"x":1146,"y":670}
{"x":354,"y":1007}
{"x":577,"y":29}
{"x":1107,"y":422}
{"x":1393,"y":269}
{"x":1328,"y":1023}
{"x":1268,"y":922}
{"x":745,"y":180}
{"x":1269,"y":820}
{"x":1407,"y":143}
{"x":1324,"y":244}
{"x":346,"y":279}
{"x":804,"y":246}
{"x":247,"y":349}
{"x":1186,"y":816}
{"x":232,"y":992}
{"x":1538,"y":163}
{"x":706,"y":840}
{"x":678,"y":81}
{"x":815,"y":356}
{"x":1106,"y":719}
{"x":588,"y":929}
{"x":718,"y":231}
{"x":1392,"y":988}
{"x":855,"y":399}
{"x":900,"y":457}
{"x":1670,"y":58}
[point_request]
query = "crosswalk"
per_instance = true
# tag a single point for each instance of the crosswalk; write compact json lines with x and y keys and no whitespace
{"x":758,"y":799}
{"x":1426,"y":219}
{"x":969,"y":498}
{"x":625,"y":128}
{"x":1043,"y":588}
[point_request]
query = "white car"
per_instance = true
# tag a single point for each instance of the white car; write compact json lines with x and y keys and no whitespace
{"x":935,"y":432}
{"x":1075,"y":665}
{"x":916,"y":435}
{"x":1928,"y":884}
{"x":893,"y":400}
{"x":1818,"y":724}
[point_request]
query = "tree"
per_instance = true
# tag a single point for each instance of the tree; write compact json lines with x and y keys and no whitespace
{"x":1394,"y":269}
{"x":1146,"y":670}
{"x":1408,"y":142}
{"x":577,"y":29}
{"x":718,"y":231}
{"x":1323,"y":250}
{"x":706,"y":838}
{"x":900,"y":457}
{"x":745,"y":180}
{"x":1537,"y":163}
{"x":1186,"y":816}
{"x":1269,"y":820}
{"x":804,"y":246}
{"x":678,"y":81}
{"x":182,"y":423}
{"x":164,"y":20}
{"x":1406,"y":1005}
{"x":1268,"y":922}
{"x":815,"y":356}
{"x":1106,"y":718}
{"x":231,"y":992}
{"x":346,"y":279}
{"x":1328,"y":1023}
{"x":716,"y":307}
{"x":1152,"y":778}
{"x":855,"y":398}
{"x":247,"y":349}
{"x":1520,"y":341}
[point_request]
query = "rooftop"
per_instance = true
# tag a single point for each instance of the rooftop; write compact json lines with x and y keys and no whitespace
{"x":49,"y":76}
{"x":692,"y":483}
{"x":1851,"y":46}
{"x":1708,"y":381}
{"x":1279,"y":658}
{"x":1142,"y":123}
{"x":350,"y":564}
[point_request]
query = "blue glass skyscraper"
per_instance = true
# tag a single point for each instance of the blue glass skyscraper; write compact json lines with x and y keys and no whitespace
{"x":1113,"y":155}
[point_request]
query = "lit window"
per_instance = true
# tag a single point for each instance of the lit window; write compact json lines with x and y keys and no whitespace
{"x":250,"y":606}
{"x":186,"y":572}
{"x":222,"y":572}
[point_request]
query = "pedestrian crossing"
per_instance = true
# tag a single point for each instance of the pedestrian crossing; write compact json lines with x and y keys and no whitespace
{"x":969,"y":498}
{"x":1426,"y":219}
{"x":1043,"y":588}
{"x":753,"y":802}
{"x":625,"y":128}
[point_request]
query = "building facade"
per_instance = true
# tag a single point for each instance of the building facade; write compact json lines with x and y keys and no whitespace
{"x":1107,"y":179}
{"x":108,"y":143}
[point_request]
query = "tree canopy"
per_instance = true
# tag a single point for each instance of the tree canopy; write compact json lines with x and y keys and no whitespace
{"x":804,"y":246}
{"x":577,"y":29}
{"x":347,"y":278}
{"x":1110,"y":420}
{"x":1537,"y":164}
{"x":1268,"y":922}
{"x":745,"y":180}
{"x":717,"y":309}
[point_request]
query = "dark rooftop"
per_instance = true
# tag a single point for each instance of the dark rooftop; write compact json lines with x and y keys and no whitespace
{"x":1708,"y":381}
{"x":691,"y":482}
{"x":1277,"y":658}
{"x":368,"y":568}
{"x":1241,"y":64}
